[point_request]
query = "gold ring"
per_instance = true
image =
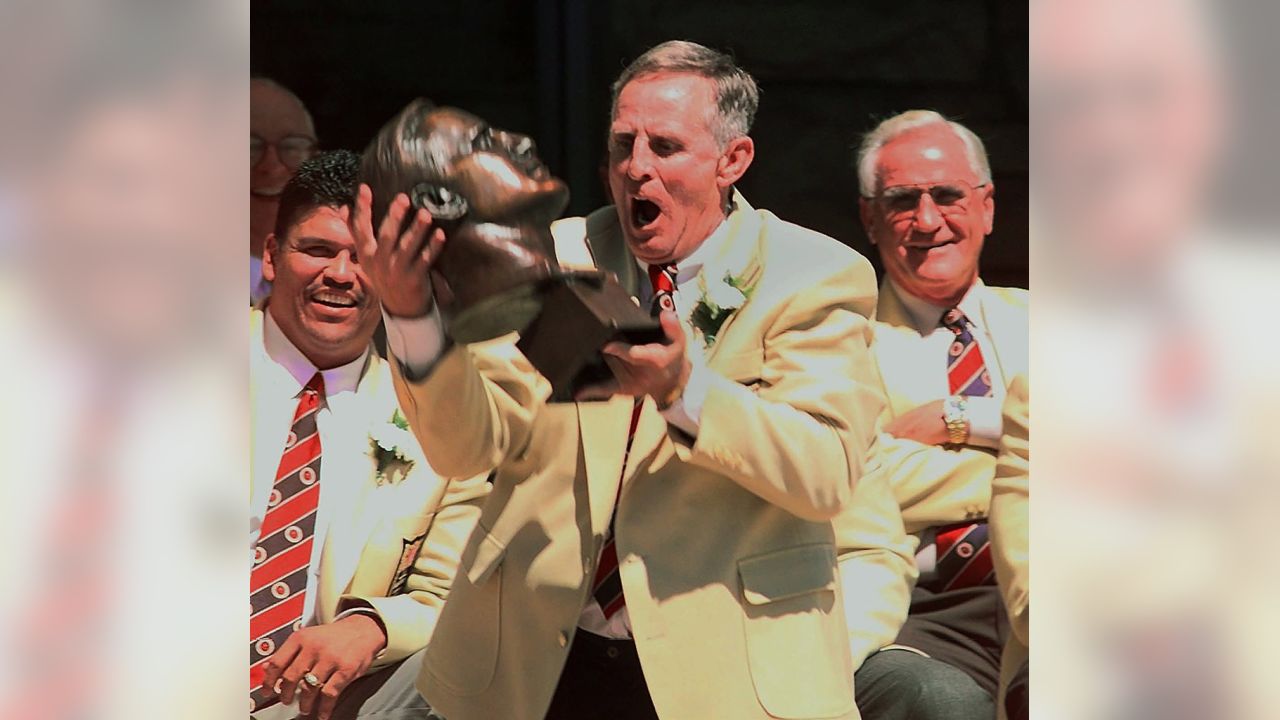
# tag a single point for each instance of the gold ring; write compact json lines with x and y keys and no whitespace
{"x":311,"y":679}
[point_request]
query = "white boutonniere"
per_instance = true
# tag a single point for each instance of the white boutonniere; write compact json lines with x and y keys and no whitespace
{"x":387,"y":443}
{"x":719,"y":300}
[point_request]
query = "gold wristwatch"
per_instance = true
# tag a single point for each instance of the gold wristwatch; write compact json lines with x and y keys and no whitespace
{"x":955,"y":413}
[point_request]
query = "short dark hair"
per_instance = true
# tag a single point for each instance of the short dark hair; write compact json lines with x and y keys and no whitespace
{"x":326,"y":180}
{"x":737,"y":95}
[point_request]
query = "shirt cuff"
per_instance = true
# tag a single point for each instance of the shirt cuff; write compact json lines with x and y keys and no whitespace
{"x":366,"y":610}
{"x":417,"y":343}
{"x":686,"y":412}
{"x":986,"y":424}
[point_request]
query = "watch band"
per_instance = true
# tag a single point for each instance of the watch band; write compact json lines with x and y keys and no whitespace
{"x":955,"y":413}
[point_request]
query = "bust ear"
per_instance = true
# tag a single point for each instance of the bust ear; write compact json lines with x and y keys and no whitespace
{"x":735,"y":160}
{"x":440,"y":201}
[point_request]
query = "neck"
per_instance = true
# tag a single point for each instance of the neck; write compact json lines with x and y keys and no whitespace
{"x":321,"y":360}
{"x":944,"y":297}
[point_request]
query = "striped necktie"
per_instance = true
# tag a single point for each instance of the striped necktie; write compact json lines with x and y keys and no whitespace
{"x":278,"y":580}
{"x":963,"y":550}
{"x":966,"y":372}
{"x":607,"y":587}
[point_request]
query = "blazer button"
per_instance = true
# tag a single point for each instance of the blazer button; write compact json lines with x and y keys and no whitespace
{"x":563,"y":639}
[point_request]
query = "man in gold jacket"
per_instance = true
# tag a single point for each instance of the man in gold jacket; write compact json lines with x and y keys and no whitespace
{"x":946,"y":346}
{"x":749,"y":436}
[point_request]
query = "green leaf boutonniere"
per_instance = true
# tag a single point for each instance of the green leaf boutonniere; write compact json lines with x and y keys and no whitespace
{"x":387,"y":441}
{"x":718,"y":302}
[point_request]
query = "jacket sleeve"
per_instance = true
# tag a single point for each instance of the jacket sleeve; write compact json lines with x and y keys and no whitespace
{"x":797,"y":439}
{"x":1010,"y":495}
{"x":877,"y":568}
{"x":475,"y":408}
{"x":410,"y":617}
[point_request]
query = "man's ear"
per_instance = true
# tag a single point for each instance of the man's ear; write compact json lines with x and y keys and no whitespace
{"x":864,"y":213}
{"x":734,"y":161}
{"x":269,"y":250}
{"x":989,"y":208}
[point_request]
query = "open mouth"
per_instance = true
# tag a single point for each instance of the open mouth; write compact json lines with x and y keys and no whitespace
{"x":644,"y":212}
{"x":333,"y":299}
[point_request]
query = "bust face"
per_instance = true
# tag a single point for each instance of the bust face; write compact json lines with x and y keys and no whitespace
{"x":494,"y":199}
{"x":464,"y":171}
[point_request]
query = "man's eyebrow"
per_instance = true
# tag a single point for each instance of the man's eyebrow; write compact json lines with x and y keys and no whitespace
{"x":313,"y":240}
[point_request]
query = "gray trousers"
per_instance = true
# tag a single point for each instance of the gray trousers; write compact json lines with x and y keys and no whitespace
{"x":904,"y":685}
{"x":385,"y":694}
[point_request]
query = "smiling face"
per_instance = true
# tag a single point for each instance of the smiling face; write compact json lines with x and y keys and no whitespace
{"x":668,"y":175}
{"x":931,"y":248}
{"x":320,"y":295}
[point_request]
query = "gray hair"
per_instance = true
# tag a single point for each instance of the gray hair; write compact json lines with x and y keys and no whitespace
{"x":900,"y":124}
{"x":737,"y":95}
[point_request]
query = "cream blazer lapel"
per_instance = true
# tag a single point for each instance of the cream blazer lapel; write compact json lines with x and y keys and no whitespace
{"x":269,"y":421}
{"x":595,"y":242}
{"x":1006,"y":328}
{"x":898,"y":358}
{"x":348,"y":485}
{"x":740,"y":258}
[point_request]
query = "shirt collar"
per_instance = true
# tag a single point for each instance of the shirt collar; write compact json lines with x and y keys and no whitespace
{"x":343,"y":378}
{"x":689,"y":268}
{"x":926,"y":316}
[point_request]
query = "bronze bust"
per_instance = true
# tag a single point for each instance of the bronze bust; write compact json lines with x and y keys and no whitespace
{"x":495,"y":200}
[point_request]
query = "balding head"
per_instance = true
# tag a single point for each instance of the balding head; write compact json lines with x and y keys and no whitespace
{"x":275,"y":111}
{"x":281,"y":136}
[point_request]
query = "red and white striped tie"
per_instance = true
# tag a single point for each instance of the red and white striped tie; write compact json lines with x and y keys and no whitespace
{"x":607,"y":587}
{"x":278,"y":581}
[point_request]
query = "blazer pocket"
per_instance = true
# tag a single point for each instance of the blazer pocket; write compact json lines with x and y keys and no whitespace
{"x":797,"y":640}
{"x":463,"y":652}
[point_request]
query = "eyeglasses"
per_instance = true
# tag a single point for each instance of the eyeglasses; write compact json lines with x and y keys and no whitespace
{"x":951,"y":198}
{"x":292,"y":150}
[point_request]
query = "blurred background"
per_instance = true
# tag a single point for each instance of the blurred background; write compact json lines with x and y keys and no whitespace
{"x":828,"y":71}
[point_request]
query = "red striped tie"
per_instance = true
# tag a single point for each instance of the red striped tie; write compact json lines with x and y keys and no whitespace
{"x":607,"y":587}
{"x":278,"y":581}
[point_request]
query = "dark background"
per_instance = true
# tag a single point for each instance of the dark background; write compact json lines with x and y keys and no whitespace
{"x":828,"y":71}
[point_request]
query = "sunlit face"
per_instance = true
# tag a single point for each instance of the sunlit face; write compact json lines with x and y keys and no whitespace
{"x":667,"y":172}
{"x":320,"y":295}
{"x":929,"y":217}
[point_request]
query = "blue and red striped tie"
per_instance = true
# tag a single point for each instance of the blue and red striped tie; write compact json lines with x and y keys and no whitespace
{"x":607,"y":586}
{"x":963,"y":550}
{"x":282,"y":556}
{"x":966,"y":372}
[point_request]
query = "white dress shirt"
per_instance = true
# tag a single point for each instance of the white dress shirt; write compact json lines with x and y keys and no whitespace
{"x":274,"y":404}
{"x":419,"y":342}
{"x":985,"y":420}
